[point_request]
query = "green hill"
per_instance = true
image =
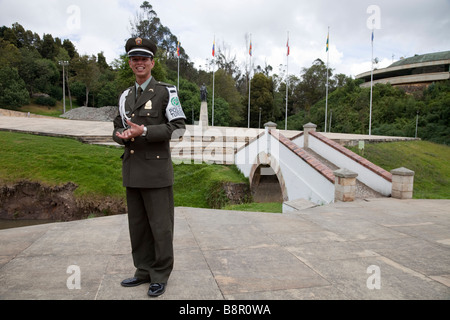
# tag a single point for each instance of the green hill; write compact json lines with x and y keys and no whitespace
{"x":430,"y":162}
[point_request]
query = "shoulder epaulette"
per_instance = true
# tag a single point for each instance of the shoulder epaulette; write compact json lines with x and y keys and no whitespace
{"x":165,"y":84}
{"x":127,"y":90}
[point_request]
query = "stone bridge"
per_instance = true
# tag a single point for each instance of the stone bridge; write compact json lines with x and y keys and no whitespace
{"x":311,"y":167}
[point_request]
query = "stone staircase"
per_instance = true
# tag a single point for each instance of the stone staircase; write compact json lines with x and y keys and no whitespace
{"x":362,"y":191}
{"x":103,"y":140}
{"x":214,"y":147}
{"x":207,"y":148}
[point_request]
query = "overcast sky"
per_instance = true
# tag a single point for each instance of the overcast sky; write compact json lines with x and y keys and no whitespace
{"x":402,"y":28}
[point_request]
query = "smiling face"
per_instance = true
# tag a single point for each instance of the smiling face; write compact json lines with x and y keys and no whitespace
{"x":142,"y":68}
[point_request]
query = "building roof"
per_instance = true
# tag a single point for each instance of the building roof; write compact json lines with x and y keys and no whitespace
{"x":419,"y":69}
{"x":444,"y":55}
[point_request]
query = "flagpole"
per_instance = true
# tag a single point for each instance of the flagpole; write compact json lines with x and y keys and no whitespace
{"x":214,"y":72}
{"x":249,"y":79}
{"x":371,"y":90}
{"x":287,"y":80}
{"x":326,"y":98}
{"x":178,"y":53}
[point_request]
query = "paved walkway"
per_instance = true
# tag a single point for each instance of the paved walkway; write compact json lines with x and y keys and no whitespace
{"x":81,"y":128}
{"x":368,"y":249}
{"x":338,"y":251}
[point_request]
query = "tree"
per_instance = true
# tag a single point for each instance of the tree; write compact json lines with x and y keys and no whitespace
{"x":39,"y":74}
{"x":189,"y":95}
{"x":225,"y":88}
{"x":48,"y":49}
{"x":107,"y":95}
{"x":312,"y":87}
{"x":147,"y":25}
{"x":101,"y":61}
{"x":87,"y":72}
{"x":226,"y":62}
{"x":294,"y":105}
{"x":221,"y":113}
{"x":70,"y":48}
{"x":261,"y":96}
{"x":13,"y":93}
{"x":9,"y":54}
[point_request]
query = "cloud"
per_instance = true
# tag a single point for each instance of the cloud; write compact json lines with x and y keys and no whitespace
{"x":93,"y":26}
{"x":406,"y":28}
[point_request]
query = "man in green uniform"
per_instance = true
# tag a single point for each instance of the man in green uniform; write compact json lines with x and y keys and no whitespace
{"x":150,"y":116}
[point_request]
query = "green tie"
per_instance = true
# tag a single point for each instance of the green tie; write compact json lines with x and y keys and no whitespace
{"x":139,"y":92}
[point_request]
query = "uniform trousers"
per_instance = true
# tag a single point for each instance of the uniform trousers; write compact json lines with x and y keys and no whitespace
{"x":151,"y":224}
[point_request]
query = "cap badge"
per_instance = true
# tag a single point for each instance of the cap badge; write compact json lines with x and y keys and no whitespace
{"x":138,"y":41}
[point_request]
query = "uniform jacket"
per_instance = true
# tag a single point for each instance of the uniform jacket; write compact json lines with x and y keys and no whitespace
{"x":146,"y":162}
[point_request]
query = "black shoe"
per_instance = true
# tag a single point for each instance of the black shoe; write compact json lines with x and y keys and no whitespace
{"x":133,"y":282}
{"x":156,"y":289}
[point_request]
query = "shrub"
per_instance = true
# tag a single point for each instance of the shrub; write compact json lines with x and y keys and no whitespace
{"x":46,"y":101}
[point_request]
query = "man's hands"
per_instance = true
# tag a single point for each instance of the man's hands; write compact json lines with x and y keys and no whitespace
{"x":133,"y":132}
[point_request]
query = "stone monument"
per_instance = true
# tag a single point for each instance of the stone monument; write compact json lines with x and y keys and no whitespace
{"x":203,"y":107}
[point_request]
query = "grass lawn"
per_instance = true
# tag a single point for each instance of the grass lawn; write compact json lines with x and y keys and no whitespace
{"x":97,"y":169}
{"x":53,"y":161}
{"x":55,"y":111}
{"x":430,"y":162}
{"x":194,"y":183}
{"x":274,"y":207}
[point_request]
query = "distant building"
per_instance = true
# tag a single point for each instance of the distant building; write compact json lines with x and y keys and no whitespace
{"x":412,"y":73}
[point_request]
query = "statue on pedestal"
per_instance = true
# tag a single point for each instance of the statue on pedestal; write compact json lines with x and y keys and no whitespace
{"x":203,"y":92}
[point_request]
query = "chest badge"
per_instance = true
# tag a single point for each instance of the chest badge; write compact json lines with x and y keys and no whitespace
{"x":148,"y":105}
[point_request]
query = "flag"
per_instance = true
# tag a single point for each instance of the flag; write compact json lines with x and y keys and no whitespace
{"x":214,"y":48}
{"x":287,"y":45}
{"x":250,"y":49}
{"x":178,"y":48}
{"x":372,"y":35}
{"x":328,"y":41}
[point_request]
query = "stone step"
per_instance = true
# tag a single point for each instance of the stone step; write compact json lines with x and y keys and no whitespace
{"x":205,"y":146}
{"x":198,"y":149}
{"x":228,"y":140}
{"x":200,"y":158}
{"x":96,"y":139}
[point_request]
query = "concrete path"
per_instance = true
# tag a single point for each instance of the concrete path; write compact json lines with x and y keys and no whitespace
{"x":369,"y":249}
{"x":80,"y":128}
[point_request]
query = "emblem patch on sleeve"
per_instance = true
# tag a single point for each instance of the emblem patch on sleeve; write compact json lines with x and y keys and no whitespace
{"x":174,"y":110}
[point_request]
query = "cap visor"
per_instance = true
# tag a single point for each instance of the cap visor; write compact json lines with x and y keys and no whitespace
{"x":140,"y":53}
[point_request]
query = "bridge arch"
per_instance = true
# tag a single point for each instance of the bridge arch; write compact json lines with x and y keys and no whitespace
{"x":264,"y":174}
